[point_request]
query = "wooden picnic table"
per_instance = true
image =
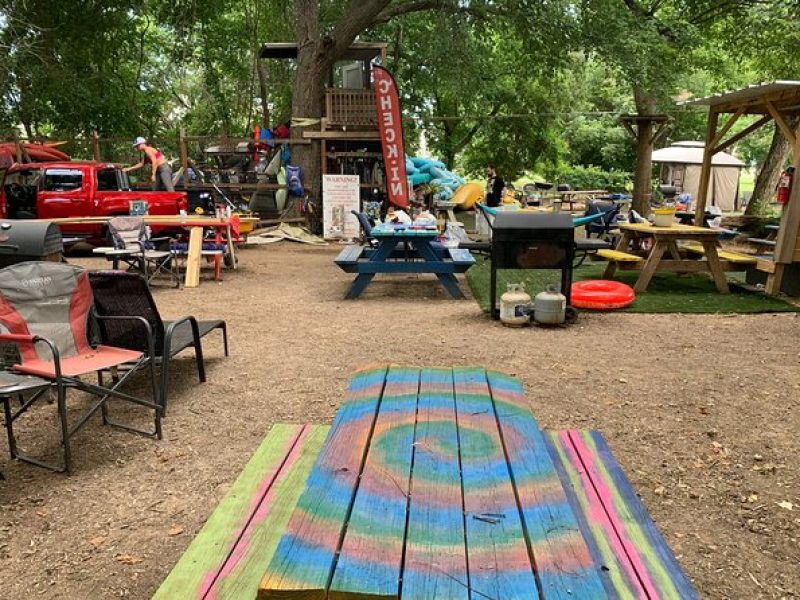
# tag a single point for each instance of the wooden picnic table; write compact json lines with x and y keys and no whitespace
{"x":195,"y":225}
{"x":404,"y":250}
{"x":430,"y":483}
{"x":665,"y":241}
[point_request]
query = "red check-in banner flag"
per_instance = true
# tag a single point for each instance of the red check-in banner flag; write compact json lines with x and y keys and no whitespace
{"x":390,"y":122}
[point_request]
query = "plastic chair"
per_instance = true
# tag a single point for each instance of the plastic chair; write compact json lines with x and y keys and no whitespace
{"x":46,"y":308}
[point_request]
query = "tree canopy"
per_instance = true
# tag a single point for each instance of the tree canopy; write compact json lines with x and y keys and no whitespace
{"x":531,"y":86}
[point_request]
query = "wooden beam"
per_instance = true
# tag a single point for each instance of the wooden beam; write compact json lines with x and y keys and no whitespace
{"x":342,"y":135}
{"x":785,"y":129}
{"x":743,"y":133}
{"x":705,"y":173}
{"x":658,"y":130}
{"x":728,"y":124}
{"x":790,"y":220}
{"x":629,"y":129}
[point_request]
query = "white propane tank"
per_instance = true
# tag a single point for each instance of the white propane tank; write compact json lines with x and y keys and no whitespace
{"x":515,"y":306}
{"x":550,"y":307}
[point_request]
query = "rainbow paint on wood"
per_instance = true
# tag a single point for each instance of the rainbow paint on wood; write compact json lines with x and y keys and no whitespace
{"x":636,"y":561}
{"x":431,"y":484}
{"x":448,"y":490}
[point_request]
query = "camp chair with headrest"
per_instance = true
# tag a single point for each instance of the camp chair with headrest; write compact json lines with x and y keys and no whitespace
{"x":134,"y":246}
{"x":45,"y":308}
{"x":609,"y":212}
{"x":117,"y":293}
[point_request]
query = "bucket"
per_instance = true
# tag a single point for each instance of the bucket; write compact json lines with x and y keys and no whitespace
{"x":664,"y":217}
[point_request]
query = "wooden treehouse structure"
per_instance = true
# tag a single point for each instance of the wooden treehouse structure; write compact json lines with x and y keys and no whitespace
{"x":348,"y":130}
{"x":775,"y":101}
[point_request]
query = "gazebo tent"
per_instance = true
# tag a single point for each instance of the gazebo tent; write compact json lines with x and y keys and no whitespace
{"x":682,"y":164}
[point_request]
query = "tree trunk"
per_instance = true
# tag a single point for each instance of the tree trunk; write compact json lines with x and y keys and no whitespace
{"x":643,"y":172}
{"x":307,"y":93}
{"x":770,"y":171}
{"x":262,"y":69}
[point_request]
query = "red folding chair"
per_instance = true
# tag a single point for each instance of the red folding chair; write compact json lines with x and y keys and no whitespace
{"x":45,"y":309}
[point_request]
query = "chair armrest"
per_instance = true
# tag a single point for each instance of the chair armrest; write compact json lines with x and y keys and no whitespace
{"x":148,"y":329}
{"x":171,"y":330}
{"x":21,"y":338}
{"x":18,"y":338}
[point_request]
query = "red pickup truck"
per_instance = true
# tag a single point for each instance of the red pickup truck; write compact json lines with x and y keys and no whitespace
{"x":50,"y":190}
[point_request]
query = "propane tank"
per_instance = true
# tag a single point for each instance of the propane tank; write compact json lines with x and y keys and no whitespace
{"x":550,"y":307}
{"x":515,"y":306}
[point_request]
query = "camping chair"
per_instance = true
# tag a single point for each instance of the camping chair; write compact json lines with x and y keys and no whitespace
{"x":366,"y":227}
{"x":118,"y":293}
{"x":602,"y":227}
{"x":134,"y":246}
{"x":45,"y":309}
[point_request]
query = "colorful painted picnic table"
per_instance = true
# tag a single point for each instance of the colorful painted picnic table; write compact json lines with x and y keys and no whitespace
{"x":402,"y":249}
{"x":439,"y":484}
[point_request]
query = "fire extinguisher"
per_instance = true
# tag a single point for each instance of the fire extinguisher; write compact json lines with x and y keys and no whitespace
{"x":785,"y":185}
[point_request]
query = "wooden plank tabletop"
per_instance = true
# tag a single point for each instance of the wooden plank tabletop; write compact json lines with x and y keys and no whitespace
{"x":424,"y":488}
{"x":676,"y":230}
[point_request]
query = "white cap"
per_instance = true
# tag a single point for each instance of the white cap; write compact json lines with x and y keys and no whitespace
{"x":139,"y":140}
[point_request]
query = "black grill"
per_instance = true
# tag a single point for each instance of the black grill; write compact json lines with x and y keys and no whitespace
{"x":29,"y":240}
{"x":523,"y":240}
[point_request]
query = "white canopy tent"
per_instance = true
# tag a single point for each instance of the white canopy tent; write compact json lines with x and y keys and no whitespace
{"x":682,"y":164}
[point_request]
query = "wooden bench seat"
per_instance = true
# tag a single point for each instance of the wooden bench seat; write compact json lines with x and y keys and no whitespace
{"x":732,"y":257}
{"x":348,"y":258}
{"x":461,"y":258}
{"x":227,"y":558}
{"x":634,"y":559}
{"x":618,"y":256}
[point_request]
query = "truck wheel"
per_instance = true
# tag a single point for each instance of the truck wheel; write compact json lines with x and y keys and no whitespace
{"x":229,"y":260}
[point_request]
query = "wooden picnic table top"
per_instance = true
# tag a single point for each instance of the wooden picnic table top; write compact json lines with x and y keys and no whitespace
{"x":675,"y":230}
{"x":442,"y":479}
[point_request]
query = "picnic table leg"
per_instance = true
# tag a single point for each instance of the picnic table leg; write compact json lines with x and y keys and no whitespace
{"x":650,"y":266}
{"x":673,"y":250}
{"x":380,"y":255}
{"x":448,"y":280}
{"x":715,"y":267}
{"x":622,"y":246}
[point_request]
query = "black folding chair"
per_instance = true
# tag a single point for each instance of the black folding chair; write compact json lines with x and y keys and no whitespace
{"x":117,"y":293}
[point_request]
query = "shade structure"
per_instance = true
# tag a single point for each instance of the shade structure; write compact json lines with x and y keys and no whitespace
{"x":682,"y":164}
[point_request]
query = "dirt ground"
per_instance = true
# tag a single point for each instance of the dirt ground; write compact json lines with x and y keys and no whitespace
{"x":703,"y":413}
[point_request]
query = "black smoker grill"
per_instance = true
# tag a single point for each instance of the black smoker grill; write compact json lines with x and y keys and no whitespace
{"x":29,"y":240}
{"x":532,"y":241}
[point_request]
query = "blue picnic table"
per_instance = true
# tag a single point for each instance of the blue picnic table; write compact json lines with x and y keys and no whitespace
{"x":403,"y":249}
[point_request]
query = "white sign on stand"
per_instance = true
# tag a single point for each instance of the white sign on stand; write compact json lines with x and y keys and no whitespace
{"x":340,"y":195}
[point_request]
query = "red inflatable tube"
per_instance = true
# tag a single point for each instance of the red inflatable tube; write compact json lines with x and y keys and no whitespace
{"x":601,"y":294}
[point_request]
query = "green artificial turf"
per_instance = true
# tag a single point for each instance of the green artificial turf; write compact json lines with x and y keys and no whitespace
{"x":667,"y":293}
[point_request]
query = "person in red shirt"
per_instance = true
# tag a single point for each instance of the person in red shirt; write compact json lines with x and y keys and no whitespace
{"x":161,"y":172}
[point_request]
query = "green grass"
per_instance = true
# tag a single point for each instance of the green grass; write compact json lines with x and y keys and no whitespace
{"x":667,"y":293}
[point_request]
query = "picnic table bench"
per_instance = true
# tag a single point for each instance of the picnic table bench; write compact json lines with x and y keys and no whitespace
{"x":432,"y":483}
{"x":404,"y":250}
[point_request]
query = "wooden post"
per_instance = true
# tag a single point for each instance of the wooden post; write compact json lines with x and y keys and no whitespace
{"x":789,"y":230}
{"x":705,"y":173}
{"x":96,"y":146}
{"x":17,"y":148}
{"x":193,"y":256}
{"x":183,"y":149}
